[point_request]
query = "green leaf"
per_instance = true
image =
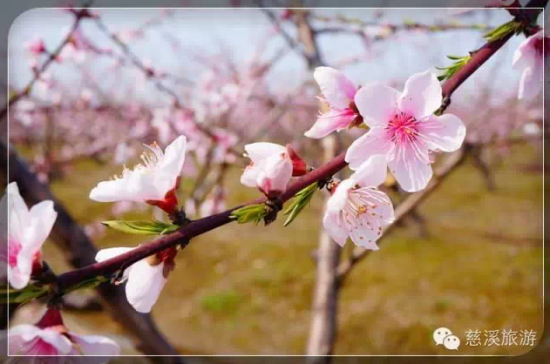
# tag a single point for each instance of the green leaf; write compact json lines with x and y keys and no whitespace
{"x":141,"y":227}
{"x":25,"y":295}
{"x":503,"y":30}
{"x":250,"y":213}
{"x":449,"y":71}
{"x":299,"y":202}
{"x":88,"y":283}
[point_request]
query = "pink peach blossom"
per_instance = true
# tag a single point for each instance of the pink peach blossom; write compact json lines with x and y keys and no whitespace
{"x":339,"y":93}
{"x":357,"y":209}
{"x":404,"y":129}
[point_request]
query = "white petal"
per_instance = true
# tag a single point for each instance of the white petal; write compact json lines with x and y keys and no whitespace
{"x":422,"y":95}
{"x":336,"y":232}
{"x":145,"y":282}
{"x":375,"y":142}
{"x":169,"y":167}
{"x":18,"y":213}
{"x":411,"y":172}
{"x":259,"y":151}
{"x":334,"y":120}
{"x":337,"y":89}
{"x":445,"y":132}
{"x":250,"y":176}
{"x":377,"y":103}
{"x":109,"y":253}
{"x":96,"y":345}
{"x":135,"y":185}
{"x":339,"y":197}
{"x":372,"y":172}
{"x":42,"y":219}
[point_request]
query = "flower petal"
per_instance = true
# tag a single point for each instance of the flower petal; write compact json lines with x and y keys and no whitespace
{"x":333,"y":120}
{"x":334,"y":229}
{"x":422,"y":95}
{"x":42,"y":219}
{"x":259,"y":151}
{"x":377,"y":103}
{"x":56,"y":339}
{"x":169,"y":167}
{"x":372,"y":172}
{"x":250,"y":176}
{"x":411,"y":170}
{"x":531,"y":81}
{"x":375,"y":142}
{"x":337,"y":89}
{"x":109,"y":253}
{"x":445,"y":132}
{"x":525,"y":54}
{"x":339,"y":197}
{"x":96,"y":345}
{"x":145,"y":282}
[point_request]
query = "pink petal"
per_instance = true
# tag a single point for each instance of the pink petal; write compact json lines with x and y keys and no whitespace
{"x":374,"y":142}
{"x":445,"y":133}
{"x":377,"y":103}
{"x":411,"y":170}
{"x":372,"y":172}
{"x":334,"y":120}
{"x":337,"y":89}
{"x":525,"y":54}
{"x":333,"y":228}
{"x":531,"y":80}
{"x":422,"y":95}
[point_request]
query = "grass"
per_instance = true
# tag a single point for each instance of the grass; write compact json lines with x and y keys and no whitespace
{"x":248,"y":289}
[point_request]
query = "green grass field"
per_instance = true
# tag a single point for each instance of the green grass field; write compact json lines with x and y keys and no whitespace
{"x":248,"y":290}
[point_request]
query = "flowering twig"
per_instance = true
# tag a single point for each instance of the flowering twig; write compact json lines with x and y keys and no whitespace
{"x":201,"y":226}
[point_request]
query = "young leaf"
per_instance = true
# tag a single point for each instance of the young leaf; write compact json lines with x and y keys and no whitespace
{"x":503,"y":30}
{"x":141,"y":227}
{"x":250,"y":213}
{"x":25,"y":295}
{"x":299,"y":202}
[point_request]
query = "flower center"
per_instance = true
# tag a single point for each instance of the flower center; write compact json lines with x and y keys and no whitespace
{"x":402,"y":128}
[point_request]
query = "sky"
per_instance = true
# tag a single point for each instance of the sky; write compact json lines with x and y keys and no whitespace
{"x":240,"y":31}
